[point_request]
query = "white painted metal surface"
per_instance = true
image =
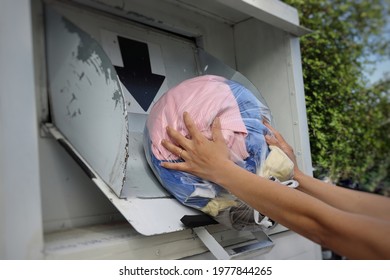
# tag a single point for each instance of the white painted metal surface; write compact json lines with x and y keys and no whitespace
{"x":262,"y":244}
{"x":120,"y":241}
{"x":275,"y":13}
{"x":21,"y":232}
{"x":149,"y":216}
{"x":277,"y":73}
{"x":87,"y":103}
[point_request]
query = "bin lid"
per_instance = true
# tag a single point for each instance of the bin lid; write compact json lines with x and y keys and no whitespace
{"x":90,"y":120}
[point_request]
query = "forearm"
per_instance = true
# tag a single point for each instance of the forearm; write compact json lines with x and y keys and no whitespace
{"x":310,"y":212}
{"x":340,"y":198}
{"x":345,"y":199}
{"x":358,"y":236}
{"x":291,"y":208}
{"x":351,"y":235}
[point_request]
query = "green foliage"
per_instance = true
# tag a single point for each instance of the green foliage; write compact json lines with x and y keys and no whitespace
{"x":348,"y":118}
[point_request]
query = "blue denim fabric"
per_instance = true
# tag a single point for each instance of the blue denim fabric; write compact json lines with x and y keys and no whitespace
{"x":250,"y":113}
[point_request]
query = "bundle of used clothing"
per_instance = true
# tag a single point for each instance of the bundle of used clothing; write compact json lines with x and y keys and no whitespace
{"x":205,"y":98}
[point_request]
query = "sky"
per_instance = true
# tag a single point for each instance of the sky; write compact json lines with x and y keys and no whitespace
{"x":381,"y":68}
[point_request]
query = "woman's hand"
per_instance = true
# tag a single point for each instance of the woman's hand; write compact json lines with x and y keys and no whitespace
{"x":277,"y":140}
{"x":202,"y":157}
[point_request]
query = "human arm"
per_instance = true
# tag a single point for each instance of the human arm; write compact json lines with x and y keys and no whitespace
{"x":344,"y":199}
{"x":352,"y":235}
{"x":348,"y":234}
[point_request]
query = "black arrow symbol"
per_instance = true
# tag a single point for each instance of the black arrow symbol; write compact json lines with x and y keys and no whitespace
{"x":136,"y":73}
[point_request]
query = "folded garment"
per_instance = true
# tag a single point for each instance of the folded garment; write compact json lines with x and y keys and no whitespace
{"x":205,"y":98}
{"x":277,"y":165}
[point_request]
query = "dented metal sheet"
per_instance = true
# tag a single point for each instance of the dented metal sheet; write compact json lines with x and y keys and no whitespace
{"x":87,"y":103}
{"x":148,"y":216}
{"x":90,"y":120}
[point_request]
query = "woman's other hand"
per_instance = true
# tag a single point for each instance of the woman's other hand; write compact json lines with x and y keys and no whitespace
{"x":276,"y":139}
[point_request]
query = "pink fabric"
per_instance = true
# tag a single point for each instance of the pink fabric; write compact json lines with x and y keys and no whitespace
{"x":204,"y":98}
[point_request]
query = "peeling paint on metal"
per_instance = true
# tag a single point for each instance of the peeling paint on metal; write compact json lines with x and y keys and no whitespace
{"x":116,"y":97}
{"x":85,"y":93}
{"x":89,"y":51}
{"x":73,"y":98}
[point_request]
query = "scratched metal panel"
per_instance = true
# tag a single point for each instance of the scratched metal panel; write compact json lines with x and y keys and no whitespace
{"x":148,"y":215}
{"x":87,"y":103}
{"x":89,"y":112}
{"x":157,"y":61}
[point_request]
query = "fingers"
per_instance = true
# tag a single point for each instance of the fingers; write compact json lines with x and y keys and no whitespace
{"x":192,"y":129}
{"x":276,"y":135}
{"x":271,"y":140}
{"x":172,"y":148}
{"x":181,"y":166}
{"x":183,"y":144}
{"x":216,"y":131}
{"x":178,"y":138}
{"x":273,"y":130}
{"x":277,"y":140}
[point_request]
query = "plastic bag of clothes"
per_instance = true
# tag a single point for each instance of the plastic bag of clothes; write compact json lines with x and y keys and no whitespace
{"x":205,"y":98}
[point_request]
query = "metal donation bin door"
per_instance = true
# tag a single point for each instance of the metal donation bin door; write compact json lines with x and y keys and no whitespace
{"x":101,"y":92}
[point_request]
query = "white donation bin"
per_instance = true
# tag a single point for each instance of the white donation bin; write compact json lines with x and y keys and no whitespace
{"x":84,"y":76}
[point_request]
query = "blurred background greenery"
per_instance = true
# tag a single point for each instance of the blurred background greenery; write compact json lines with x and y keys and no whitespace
{"x":347,"y":88}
